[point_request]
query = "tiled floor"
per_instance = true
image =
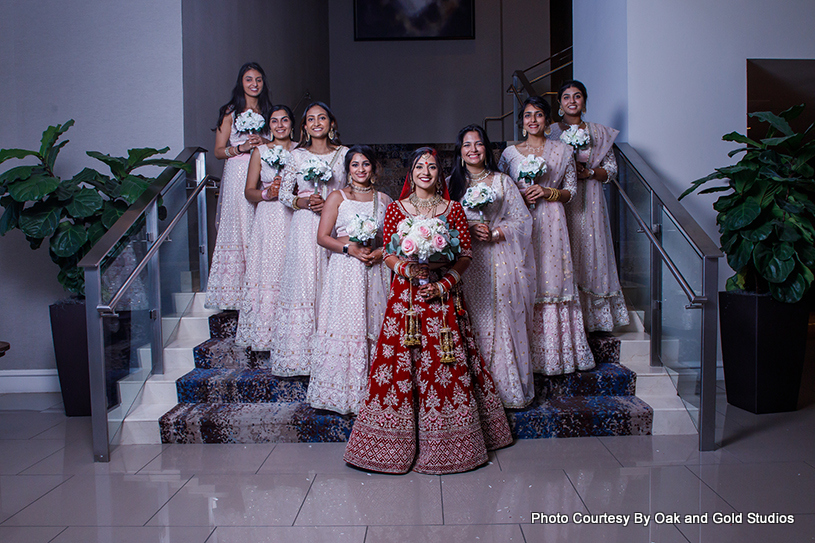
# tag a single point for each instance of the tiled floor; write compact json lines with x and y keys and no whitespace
{"x":51,"y":491}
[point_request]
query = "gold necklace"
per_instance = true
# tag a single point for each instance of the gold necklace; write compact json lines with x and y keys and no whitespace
{"x":480,"y":177}
{"x":533,"y":148}
{"x":420,"y":203}
{"x":361,"y":189}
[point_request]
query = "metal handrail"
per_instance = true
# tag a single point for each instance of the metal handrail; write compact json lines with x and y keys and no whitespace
{"x":107,"y":309}
{"x":94,"y":257}
{"x":549,"y":58}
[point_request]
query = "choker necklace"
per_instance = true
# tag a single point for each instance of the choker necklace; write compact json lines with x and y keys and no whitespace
{"x":485,"y":173}
{"x":533,"y":148}
{"x":361,"y":189}
{"x":420,"y":204}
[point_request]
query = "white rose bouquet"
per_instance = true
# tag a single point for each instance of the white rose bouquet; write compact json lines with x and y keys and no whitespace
{"x":477,"y":197}
{"x":530,"y":168}
{"x":426,"y":239}
{"x":276,"y":157}
{"x":316,"y":171}
{"x":362,"y":229}
{"x":576,"y":137}
{"x":249,"y":121}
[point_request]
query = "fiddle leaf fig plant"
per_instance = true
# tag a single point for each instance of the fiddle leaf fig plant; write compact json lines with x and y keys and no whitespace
{"x":71,"y":214}
{"x":767,"y":217}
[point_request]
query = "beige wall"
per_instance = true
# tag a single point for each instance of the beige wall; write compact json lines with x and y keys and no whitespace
{"x":425,"y":91}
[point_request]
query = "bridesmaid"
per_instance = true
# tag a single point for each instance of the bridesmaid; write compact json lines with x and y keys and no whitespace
{"x":500,"y":285}
{"x":267,"y":243}
{"x":559,"y":343}
{"x":595,"y":267}
{"x":352,"y":302}
{"x":305,"y":263}
{"x":251,"y":93}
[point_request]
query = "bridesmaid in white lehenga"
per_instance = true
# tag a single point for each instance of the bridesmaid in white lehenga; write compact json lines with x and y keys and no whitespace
{"x":225,"y":282}
{"x":355,"y":290}
{"x":601,"y":297}
{"x":304,"y":190}
{"x":270,"y":228}
{"x":500,"y":283}
{"x":559,"y":343}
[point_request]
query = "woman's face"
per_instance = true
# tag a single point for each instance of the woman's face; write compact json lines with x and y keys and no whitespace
{"x":360,"y":169}
{"x":473,"y":151}
{"x":280,"y":124}
{"x":426,"y":172}
{"x":572,"y":102}
{"x":317,"y":122}
{"x":252,"y":83}
{"x":534,"y":120}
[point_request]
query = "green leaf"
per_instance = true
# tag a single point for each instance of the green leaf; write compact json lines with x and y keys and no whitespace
{"x":51,"y":155}
{"x":783,"y":251}
{"x":734,"y":152}
{"x":790,"y":291}
{"x":72,"y":279}
{"x":84,"y":203}
{"x":792,"y":112}
{"x":6,"y":154}
{"x":759,"y":233}
{"x":787,"y":232}
{"x":11,"y":216}
{"x":735,"y":282}
{"x":740,"y":257}
{"x":51,"y":135}
{"x":117,"y":165}
{"x":738,"y":138}
{"x":726,"y":202}
{"x":34,"y":243}
{"x":769,"y":267}
{"x":95,"y":232}
{"x":136,"y":157}
{"x":20,"y":172}
{"x":69,"y":239}
{"x":40,"y":220}
{"x":806,"y":254}
{"x":35,"y":187}
{"x":132,"y":187}
{"x":111,"y":213}
{"x":715,"y":189}
{"x":742,"y":215}
{"x":790,"y":140}
{"x":774,"y":120}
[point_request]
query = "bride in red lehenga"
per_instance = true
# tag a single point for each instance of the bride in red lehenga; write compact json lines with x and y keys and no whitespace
{"x":431,"y":402}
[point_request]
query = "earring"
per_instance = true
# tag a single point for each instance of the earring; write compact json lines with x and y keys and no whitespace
{"x":412,"y":186}
{"x":523,"y":131}
{"x":308,"y":138}
{"x":331,"y":133}
{"x":462,"y":162}
{"x":438,"y":186}
{"x":547,"y":131}
{"x":560,"y":111}
{"x":585,"y":110}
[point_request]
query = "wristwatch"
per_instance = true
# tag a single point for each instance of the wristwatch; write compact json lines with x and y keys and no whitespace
{"x":345,"y":250}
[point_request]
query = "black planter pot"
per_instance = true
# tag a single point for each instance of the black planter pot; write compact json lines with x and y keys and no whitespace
{"x":69,"y":331}
{"x":763,"y":348}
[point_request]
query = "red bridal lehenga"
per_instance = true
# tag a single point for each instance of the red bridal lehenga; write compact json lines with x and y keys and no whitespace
{"x":420,"y":412}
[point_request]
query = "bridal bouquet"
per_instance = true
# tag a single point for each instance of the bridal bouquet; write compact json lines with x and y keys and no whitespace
{"x":576,"y":137}
{"x":276,"y":157}
{"x":249,"y":121}
{"x":427,"y":239}
{"x":530,"y":168}
{"x":316,"y":171}
{"x":477,"y":197}
{"x":361,"y":229}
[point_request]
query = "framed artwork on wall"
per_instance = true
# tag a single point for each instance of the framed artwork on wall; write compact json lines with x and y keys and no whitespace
{"x":377,"y":20}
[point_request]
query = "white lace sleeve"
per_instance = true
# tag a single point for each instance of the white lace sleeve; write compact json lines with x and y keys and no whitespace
{"x":609,"y":164}
{"x":569,"y":180}
{"x":288,"y":186}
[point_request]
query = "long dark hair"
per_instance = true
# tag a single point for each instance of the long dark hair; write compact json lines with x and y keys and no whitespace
{"x":305,"y":140}
{"x":365,"y":151}
{"x":540,"y":104}
{"x":458,"y":176}
{"x":238,"y":102}
{"x":576,"y":84}
{"x":290,"y":114}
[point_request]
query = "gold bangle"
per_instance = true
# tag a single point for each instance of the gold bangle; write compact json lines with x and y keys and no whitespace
{"x":294,"y":205}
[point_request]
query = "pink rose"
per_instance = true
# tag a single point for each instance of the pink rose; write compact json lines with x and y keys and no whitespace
{"x":439,"y":242}
{"x":409,"y":246}
{"x":424,"y":232}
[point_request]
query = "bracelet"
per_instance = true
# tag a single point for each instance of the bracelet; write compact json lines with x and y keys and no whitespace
{"x":455,"y":275}
{"x":263,"y":195}
{"x":238,"y":149}
{"x":440,"y":285}
{"x":554,"y":195}
{"x":495,"y":235}
{"x":228,"y":152}
{"x":294,"y":205}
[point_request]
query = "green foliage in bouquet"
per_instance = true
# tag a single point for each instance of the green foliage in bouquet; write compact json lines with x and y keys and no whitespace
{"x":71,"y":214}
{"x":767,"y":221}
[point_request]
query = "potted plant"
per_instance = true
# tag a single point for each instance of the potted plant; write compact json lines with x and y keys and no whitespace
{"x":72,"y":215}
{"x":767,"y":226}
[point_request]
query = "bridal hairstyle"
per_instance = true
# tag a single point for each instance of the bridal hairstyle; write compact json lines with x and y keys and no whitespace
{"x":407,"y":188}
{"x":238,"y":102}
{"x":365,"y":151}
{"x":540,"y":104}
{"x":305,"y":140}
{"x":576,"y":84}
{"x":458,"y":176}
{"x":289,"y":112}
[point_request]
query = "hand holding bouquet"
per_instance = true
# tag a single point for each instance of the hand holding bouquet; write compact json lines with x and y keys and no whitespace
{"x":250,"y":122}
{"x":276,"y":157}
{"x":316,"y":171}
{"x":531,"y":167}
{"x":576,"y":137}
{"x":362,"y":229}
{"x":477,"y":197}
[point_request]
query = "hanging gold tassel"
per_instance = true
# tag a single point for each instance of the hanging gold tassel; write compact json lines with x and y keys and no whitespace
{"x":413,"y":334}
{"x":448,"y":355}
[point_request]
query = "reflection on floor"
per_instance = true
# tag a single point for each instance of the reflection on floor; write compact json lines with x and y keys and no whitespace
{"x":586,"y":488}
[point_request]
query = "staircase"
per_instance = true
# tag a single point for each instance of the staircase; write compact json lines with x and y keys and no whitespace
{"x":230,"y":397}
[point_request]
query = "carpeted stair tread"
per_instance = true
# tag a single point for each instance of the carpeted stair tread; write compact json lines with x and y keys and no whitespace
{"x":223,"y":325}
{"x":243,"y":385}
{"x":605,"y":348}
{"x":223,"y":353}
{"x":583,"y":416}
{"x":605,"y":379}
{"x":281,"y":422}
